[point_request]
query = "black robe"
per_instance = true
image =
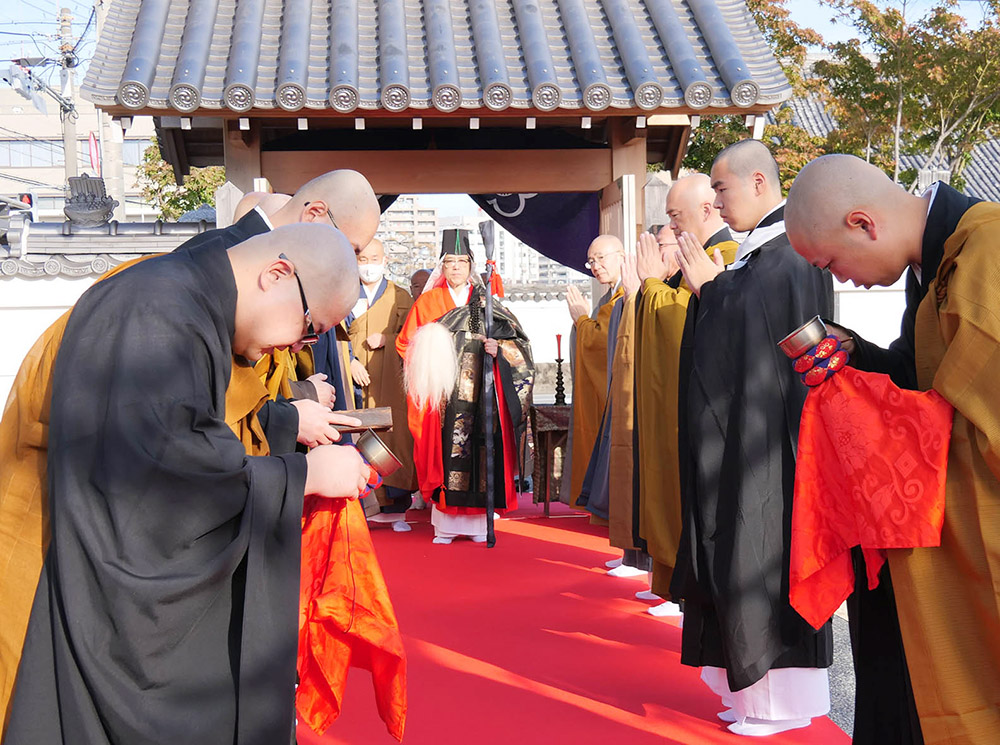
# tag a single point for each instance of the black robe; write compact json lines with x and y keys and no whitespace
{"x":739,"y":408}
{"x":463,"y":431}
{"x":885,"y":712}
{"x":279,"y":419}
{"x":167,"y":607}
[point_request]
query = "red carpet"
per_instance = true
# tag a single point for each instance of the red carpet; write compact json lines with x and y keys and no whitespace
{"x":530,"y":642}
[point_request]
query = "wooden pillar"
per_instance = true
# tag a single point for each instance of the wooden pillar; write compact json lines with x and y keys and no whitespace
{"x":628,"y":156}
{"x":241,"y":149}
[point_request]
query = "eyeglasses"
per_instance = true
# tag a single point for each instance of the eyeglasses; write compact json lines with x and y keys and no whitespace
{"x":311,"y":337}
{"x":334,"y":222}
{"x":599,"y":259}
{"x":455,"y":261}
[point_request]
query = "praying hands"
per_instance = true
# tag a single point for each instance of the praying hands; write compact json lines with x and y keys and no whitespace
{"x":697,"y":267}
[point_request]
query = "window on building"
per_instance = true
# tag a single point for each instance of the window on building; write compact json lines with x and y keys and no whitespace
{"x":30,"y":153}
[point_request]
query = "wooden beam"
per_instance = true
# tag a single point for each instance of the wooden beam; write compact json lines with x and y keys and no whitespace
{"x":242,"y":154}
{"x":448,"y":171}
{"x":628,"y":155}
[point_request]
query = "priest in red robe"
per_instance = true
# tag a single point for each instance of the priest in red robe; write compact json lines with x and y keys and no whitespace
{"x":444,"y":348}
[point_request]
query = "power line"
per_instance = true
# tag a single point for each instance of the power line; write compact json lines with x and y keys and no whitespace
{"x":90,"y":20}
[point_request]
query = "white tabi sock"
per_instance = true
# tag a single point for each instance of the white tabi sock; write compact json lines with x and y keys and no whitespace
{"x":762,"y":728}
{"x":665,"y":610}
{"x":624,"y":571}
{"x":613,"y":563}
{"x":647,"y":595}
{"x":401,"y":526}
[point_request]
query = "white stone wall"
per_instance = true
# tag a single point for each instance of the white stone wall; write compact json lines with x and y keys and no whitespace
{"x":27,"y":308}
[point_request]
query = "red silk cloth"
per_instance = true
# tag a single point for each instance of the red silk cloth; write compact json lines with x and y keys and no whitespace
{"x":870,"y":472}
{"x":345,"y":618}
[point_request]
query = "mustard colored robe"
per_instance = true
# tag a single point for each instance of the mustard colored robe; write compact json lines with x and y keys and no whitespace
{"x":948,"y":597}
{"x":621,"y":461}
{"x":590,"y":388}
{"x":659,"y":326}
{"x":385,"y":367}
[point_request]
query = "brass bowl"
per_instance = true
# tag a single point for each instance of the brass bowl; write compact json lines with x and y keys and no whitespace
{"x":378,"y":455}
{"x":804,"y":338}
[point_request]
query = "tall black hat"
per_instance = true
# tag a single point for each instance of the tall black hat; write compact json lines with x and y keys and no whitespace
{"x":455,"y":242}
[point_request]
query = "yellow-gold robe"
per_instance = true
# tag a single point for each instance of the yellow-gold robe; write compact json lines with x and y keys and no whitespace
{"x":659,"y":325}
{"x":385,"y":368}
{"x":590,"y":388}
{"x":621,"y":460}
{"x":948,"y":597}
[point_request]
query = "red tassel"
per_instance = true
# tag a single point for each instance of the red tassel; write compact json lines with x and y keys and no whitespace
{"x":496,"y":283}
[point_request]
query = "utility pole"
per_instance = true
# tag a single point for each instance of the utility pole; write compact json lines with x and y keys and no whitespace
{"x":111,"y":136}
{"x":67,"y":114}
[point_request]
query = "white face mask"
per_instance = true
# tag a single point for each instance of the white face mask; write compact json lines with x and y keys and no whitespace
{"x":371,"y":273}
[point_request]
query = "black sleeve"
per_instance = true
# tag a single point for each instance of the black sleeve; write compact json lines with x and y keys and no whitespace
{"x":302,"y":389}
{"x":898,"y":360}
{"x":280,"y":422}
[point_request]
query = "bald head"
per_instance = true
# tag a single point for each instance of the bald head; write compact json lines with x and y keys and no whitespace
{"x":690,"y":208}
{"x":746,"y":157}
{"x":746,"y":182}
{"x":270,"y":269}
{"x":418,"y":280}
{"x":268,"y":203}
{"x":605,"y":256}
{"x":343,"y":198}
{"x":846,"y":214}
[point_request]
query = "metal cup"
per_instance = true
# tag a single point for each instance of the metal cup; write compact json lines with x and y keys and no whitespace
{"x":804,"y":338}
{"x":378,"y":455}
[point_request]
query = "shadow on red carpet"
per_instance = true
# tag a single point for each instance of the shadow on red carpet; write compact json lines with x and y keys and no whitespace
{"x":530,"y":642}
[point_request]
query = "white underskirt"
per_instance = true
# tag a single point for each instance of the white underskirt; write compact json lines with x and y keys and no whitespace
{"x":783,"y":693}
{"x":448,"y":526}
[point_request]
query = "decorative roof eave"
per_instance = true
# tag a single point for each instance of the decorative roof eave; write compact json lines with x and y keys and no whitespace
{"x":415,"y":56}
{"x":429,"y":115}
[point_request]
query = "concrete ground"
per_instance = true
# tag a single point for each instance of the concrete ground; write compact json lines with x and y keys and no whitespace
{"x":842,"y":675}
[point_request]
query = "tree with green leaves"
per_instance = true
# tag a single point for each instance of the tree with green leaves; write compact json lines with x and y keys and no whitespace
{"x":929,"y":86}
{"x":155,"y":178}
{"x":792,"y":147}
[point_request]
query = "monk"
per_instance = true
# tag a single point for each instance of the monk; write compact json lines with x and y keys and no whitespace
{"x":25,"y":425}
{"x":740,"y":403}
{"x":589,"y":350}
{"x":846,"y":215}
{"x":163,"y":530}
{"x":607,"y":491}
{"x":377,"y":370}
{"x":661,"y":308}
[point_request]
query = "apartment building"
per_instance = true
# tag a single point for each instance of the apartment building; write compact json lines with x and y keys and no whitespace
{"x":411,"y":222}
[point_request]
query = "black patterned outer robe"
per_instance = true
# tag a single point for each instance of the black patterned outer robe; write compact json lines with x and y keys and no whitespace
{"x":462,"y":431}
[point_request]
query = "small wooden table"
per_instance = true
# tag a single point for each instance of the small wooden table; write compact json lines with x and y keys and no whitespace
{"x":550,"y":428}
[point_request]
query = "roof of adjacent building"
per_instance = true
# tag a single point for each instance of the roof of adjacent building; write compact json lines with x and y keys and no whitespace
{"x":982,"y":175}
{"x":443,"y":55}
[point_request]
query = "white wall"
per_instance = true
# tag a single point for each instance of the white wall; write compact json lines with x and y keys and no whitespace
{"x":874,"y":314}
{"x":541,"y":322}
{"x":27,"y":308}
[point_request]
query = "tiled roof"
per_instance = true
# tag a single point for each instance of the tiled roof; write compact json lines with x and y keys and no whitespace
{"x":982,"y":175}
{"x":366,"y":55}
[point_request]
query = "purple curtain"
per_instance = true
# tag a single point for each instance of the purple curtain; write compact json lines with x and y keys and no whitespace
{"x":560,"y":226}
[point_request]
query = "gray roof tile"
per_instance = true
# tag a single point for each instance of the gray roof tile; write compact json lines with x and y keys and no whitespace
{"x":349,"y":55}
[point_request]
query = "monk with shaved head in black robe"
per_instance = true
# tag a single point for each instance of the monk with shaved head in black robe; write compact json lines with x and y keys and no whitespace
{"x":167,"y":606}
